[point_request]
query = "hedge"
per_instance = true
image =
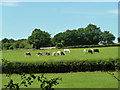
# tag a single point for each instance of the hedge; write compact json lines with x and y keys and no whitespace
{"x":60,"y":67}
{"x":91,"y":46}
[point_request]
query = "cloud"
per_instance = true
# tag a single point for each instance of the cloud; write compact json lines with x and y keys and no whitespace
{"x":9,"y":4}
{"x":115,"y":11}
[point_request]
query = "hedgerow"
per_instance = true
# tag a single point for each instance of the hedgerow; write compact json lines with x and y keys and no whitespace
{"x":92,"y":46}
{"x":60,"y":67}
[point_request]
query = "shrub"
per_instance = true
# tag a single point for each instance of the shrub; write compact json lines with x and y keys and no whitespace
{"x":60,"y":67}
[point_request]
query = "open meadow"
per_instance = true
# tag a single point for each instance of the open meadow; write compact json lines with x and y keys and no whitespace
{"x":74,"y":80}
{"x":97,"y":79}
{"x":75,"y":55}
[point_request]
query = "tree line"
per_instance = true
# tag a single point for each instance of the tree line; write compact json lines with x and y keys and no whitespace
{"x":90,"y":35}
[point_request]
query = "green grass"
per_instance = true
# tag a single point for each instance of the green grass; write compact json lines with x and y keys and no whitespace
{"x":76,"y":54}
{"x":70,"y":80}
{"x":75,"y":80}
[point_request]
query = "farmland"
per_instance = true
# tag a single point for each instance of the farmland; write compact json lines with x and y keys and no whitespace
{"x":75,"y":80}
{"x":87,"y":79}
{"x":75,"y":55}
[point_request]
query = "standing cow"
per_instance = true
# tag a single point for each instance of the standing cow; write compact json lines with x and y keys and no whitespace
{"x":39,"y":53}
{"x":67,"y":50}
{"x":27,"y":53}
{"x":96,"y":50}
{"x":47,"y":53}
{"x":90,"y":51}
{"x":54,"y":53}
{"x":85,"y":51}
{"x":60,"y":53}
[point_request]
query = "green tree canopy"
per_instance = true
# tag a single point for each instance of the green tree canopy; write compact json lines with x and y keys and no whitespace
{"x":107,"y":37}
{"x":119,"y":39}
{"x":82,"y":36}
{"x":39,"y":38}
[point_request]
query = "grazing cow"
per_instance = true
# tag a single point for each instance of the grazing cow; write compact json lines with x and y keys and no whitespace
{"x":27,"y":53}
{"x":54,"y":53}
{"x":47,"y":53}
{"x":90,"y":51}
{"x":39,"y":53}
{"x":60,"y":53}
{"x":96,"y":50}
{"x":67,"y":50}
{"x":85,"y":51}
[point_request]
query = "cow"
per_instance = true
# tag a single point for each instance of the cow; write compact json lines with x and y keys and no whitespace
{"x":60,"y":53}
{"x":85,"y":51}
{"x":96,"y":50}
{"x":39,"y":53}
{"x":67,"y":50}
{"x":27,"y":53}
{"x":54,"y":53}
{"x":47,"y":53}
{"x":90,"y":51}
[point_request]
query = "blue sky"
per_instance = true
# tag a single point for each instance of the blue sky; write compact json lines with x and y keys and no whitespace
{"x":21,"y":18}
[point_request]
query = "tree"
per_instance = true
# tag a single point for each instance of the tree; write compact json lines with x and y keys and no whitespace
{"x":119,"y":39}
{"x":92,"y":33}
{"x":39,"y":38}
{"x":107,"y":37}
{"x":5,"y":40}
{"x":81,"y":36}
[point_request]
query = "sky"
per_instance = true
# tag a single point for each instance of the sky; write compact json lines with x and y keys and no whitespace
{"x":19,"y":19}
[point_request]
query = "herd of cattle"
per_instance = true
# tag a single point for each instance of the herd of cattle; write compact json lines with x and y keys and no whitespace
{"x":60,"y":53}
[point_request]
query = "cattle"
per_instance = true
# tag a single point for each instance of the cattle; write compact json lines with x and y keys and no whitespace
{"x":27,"y":53}
{"x":39,"y":53}
{"x":54,"y":53}
{"x":96,"y":50}
{"x":47,"y":53}
{"x":90,"y":51}
{"x":85,"y":51}
{"x":67,"y":50}
{"x":60,"y":53}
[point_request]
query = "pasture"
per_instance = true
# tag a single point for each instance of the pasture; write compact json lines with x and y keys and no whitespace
{"x":95,"y":79}
{"x":75,"y":80}
{"x":74,"y":55}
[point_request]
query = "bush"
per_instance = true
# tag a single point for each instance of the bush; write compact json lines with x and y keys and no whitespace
{"x":91,"y":46}
{"x":60,"y":67}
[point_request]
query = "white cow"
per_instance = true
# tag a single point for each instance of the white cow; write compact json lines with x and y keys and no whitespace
{"x":67,"y":50}
{"x":85,"y":51}
{"x":54,"y":53}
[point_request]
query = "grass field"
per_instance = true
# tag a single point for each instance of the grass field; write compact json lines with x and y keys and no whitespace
{"x":76,"y":80}
{"x":70,"y":80}
{"x":76,"y":54}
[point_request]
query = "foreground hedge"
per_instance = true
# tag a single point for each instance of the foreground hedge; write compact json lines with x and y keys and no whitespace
{"x":59,"y":67}
{"x":91,"y":46}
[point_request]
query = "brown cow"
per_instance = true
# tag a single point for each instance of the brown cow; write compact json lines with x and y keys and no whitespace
{"x":47,"y":53}
{"x":60,"y":53}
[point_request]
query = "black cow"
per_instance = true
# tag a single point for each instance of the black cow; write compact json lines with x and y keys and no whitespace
{"x":62,"y":53}
{"x":90,"y":51}
{"x":96,"y":50}
{"x":39,"y":54}
{"x":27,"y":53}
